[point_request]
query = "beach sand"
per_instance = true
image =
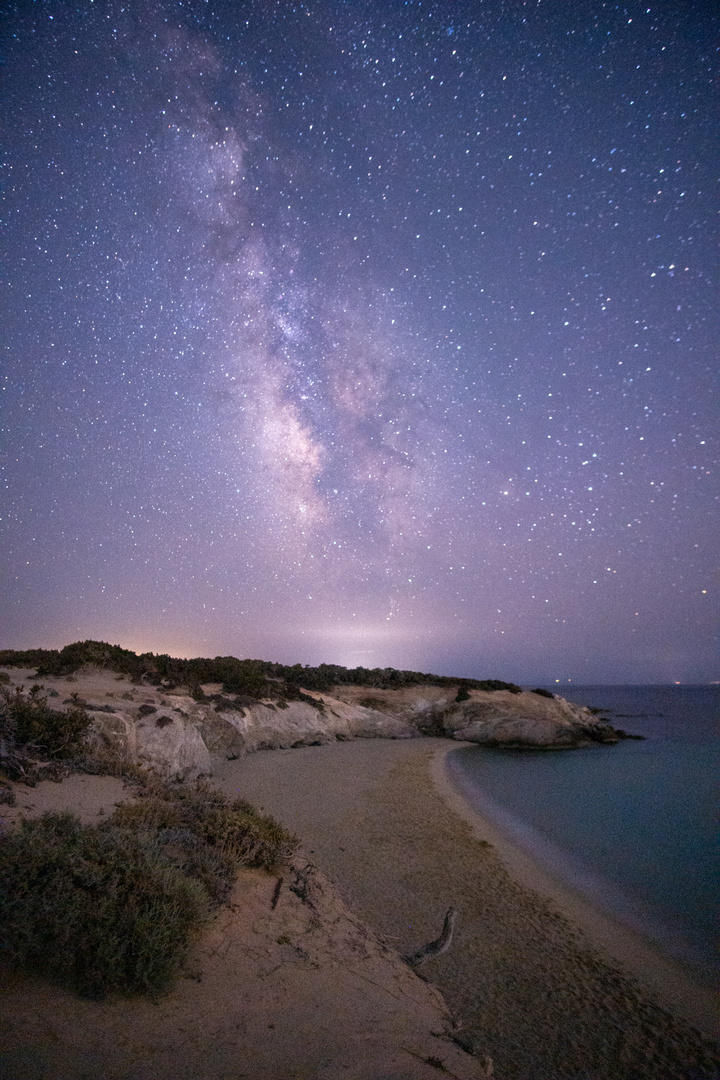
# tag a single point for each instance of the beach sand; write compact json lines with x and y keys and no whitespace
{"x":284,"y":983}
{"x":540,"y":981}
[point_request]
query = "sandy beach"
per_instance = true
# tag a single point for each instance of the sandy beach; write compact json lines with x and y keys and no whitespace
{"x":540,"y":981}
{"x":302,"y":977}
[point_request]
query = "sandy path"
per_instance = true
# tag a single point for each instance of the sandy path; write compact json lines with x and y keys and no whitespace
{"x":526,"y":982}
{"x":89,"y":797}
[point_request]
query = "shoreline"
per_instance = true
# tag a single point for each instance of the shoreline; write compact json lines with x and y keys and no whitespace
{"x":533,"y":981}
{"x":667,"y":979}
{"x":533,"y":977}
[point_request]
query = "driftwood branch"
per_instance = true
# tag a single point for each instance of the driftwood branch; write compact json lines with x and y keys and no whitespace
{"x":437,"y":947}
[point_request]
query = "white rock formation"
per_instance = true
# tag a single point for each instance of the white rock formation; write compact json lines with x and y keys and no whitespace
{"x":526,"y":720}
{"x":174,"y":734}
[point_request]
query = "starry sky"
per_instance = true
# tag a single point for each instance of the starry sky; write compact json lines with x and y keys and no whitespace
{"x":360,"y":332}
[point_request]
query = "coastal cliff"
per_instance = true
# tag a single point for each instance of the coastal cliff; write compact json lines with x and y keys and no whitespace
{"x":174,"y":729}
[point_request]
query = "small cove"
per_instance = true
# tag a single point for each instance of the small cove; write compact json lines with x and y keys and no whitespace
{"x":630,"y":826}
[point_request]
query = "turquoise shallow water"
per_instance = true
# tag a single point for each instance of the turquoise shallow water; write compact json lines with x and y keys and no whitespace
{"x":632,"y":826}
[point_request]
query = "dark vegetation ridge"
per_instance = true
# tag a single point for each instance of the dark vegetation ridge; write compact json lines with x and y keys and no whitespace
{"x":254,"y":678}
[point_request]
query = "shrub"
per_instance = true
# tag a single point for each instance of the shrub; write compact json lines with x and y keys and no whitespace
{"x":112,"y":907}
{"x":542,"y":693}
{"x":495,"y":684}
{"x":240,"y":832}
{"x":31,"y":733}
{"x":247,"y":677}
{"x":253,"y":686}
{"x":95,"y":908}
{"x":27,"y":721}
{"x":236,"y":830}
{"x":462,"y":694}
{"x":148,"y":815}
{"x":213,"y":869}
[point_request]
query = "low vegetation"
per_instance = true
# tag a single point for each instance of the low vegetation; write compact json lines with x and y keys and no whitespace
{"x":96,"y":909}
{"x":27,"y":720}
{"x":113,"y":907}
{"x":35,"y":739}
{"x":251,"y":678}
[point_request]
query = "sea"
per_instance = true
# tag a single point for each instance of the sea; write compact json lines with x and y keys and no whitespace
{"x":632,"y":827}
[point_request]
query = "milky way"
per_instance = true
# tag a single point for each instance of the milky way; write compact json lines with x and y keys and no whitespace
{"x":365,"y":333}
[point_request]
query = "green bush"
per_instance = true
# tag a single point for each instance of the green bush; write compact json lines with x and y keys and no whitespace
{"x":112,"y":907}
{"x":95,"y":908}
{"x":238,"y":831}
{"x":26,"y":720}
{"x":254,"y":686}
{"x":493,"y":685}
{"x":148,"y":815}
{"x":234,"y":829}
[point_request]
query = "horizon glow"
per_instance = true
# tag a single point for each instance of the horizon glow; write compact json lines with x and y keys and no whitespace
{"x":377,"y":335}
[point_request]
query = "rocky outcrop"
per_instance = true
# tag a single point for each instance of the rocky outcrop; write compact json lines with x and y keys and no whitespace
{"x":527,"y":732}
{"x":526,"y":721}
{"x":175,"y":734}
{"x":235,"y":729}
{"x":167,"y":743}
{"x":499,"y":718}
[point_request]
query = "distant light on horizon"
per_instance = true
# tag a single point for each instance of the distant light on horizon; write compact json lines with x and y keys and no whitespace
{"x":306,"y":363}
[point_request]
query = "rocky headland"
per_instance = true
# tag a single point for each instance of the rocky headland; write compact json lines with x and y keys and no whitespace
{"x":150,"y":719}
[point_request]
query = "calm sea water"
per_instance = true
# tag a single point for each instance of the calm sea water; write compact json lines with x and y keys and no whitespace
{"x":632,"y":826}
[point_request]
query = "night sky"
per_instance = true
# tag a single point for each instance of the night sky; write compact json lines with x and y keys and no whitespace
{"x":365,"y":332}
